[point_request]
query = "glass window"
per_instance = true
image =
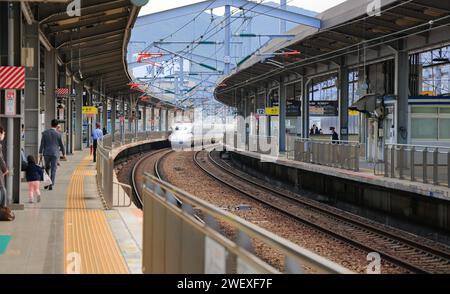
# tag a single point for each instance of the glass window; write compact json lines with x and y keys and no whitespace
{"x":420,"y":109}
{"x":444,"y":129}
{"x":424,"y":128}
{"x":444,"y":110}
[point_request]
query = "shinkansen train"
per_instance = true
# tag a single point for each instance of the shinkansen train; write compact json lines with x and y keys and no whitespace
{"x":187,"y":135}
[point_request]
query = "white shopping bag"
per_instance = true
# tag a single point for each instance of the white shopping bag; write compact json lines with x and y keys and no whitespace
{"x":47,"y":180}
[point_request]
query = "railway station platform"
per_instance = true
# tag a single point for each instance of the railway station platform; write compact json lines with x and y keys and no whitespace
{"x":425,"y":203}
{"x":69,"y":231}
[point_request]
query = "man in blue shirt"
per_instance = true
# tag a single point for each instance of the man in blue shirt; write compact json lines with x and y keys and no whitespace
{"x":97,"y":134}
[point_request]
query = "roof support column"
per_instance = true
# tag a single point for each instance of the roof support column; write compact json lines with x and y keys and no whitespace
{"x":305,"y":107}
{"x":12,"y":124}
{"x":144,"y":118}
{"x":130,"y":117}
{"x":166,"y":112}
{"x":105,"y":112}
{"x":402,"y":92}
{"x":113,"y":116}
{"x":69,"y":82}
{"x":136,"y":120}
{"x":152,"y":121}
{"x":343,"y":100}
{"x":282,"y":119}
{"x":50,"y":86}
{"x":78,"y":122}
{"x":32,"y":109}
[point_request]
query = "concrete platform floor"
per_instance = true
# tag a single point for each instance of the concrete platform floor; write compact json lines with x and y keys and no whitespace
{"x":35,"y":242}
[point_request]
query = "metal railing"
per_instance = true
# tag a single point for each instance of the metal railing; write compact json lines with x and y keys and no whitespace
{"x":118,"y":139}
{"x":114,"y":194}
{"x":189,"y":239}
{"x":266,"y":145}
{"x":339,"y":154}
{"x":427,"y":164}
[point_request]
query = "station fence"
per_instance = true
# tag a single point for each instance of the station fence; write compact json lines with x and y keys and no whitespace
{"x":198,"y":238}
{"x":416,"y":163}
{"x":339,"y":154}
{"x":113,"y":193}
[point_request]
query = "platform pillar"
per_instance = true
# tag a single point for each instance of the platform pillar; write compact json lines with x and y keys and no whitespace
{"x":305,"y":108}
{"x":32,"y":109}
{"x":113,"y":116}
{"x":402,"y":92}
{"x":50,"y":67}
{"x":343,"y":101}
{"x":78,"y":122}
{"x":282,"y":118}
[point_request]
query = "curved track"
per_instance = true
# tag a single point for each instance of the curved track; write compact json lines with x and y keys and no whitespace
{"x":413,"y":253}
{"x":150,"y":163}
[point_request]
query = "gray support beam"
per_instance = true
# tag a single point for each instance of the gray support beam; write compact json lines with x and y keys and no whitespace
{"x":166,"y":113}
{"x":227,"y":39}
{"x":50,"y":66}
{"x":282,"y":118}
{"x":402,"y":91}
{"x":89,"y":120}
{"x":343,"y":101}
{"x":136,"y":120}
{"x":69,"y":83}
{"x":78,"y":121}
{"x":160,"y":119}
{"x":113,"y":115}
{"x":130,"y":117}
{"x":12,"y":124}
{"x":153,"y":119}
{"x":105,"y":112}
{"x":283,"y":6}
{"x":144,"y":118}
{"x":32,"y":111}
{"x":243,"y":4}
{"x":305,"y":107}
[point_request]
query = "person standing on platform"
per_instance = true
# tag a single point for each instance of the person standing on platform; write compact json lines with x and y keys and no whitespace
{"x":334,"y":136}
{"x":3,"y":172}
{"x":51,"y":145}
{"x":34,"y":174}
{"x":97,"y":135}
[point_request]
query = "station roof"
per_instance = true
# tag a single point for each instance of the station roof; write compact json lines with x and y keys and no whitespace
{"x":94,"y":44}
{"x":344,"y":28}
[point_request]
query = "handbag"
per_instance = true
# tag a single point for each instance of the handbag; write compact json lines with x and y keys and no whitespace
{"x":6,"y":215}
{"x":47,"y":181}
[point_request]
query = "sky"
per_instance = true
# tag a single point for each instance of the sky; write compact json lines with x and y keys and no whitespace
{"x":314,"y":5}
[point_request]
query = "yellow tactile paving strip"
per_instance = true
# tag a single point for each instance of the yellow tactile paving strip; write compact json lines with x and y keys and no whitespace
{"x":89,"y":246}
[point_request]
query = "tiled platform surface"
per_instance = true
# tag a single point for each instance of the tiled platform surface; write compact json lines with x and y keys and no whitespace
{"x":71,"y":218}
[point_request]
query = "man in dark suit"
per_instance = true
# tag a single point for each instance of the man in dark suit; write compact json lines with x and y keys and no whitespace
{"x":334,"y":136}
{"x":51,"y":145}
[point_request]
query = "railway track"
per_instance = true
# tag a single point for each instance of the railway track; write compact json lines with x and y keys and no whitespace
{"x":150,"y":163}
{"x":415,"y":254}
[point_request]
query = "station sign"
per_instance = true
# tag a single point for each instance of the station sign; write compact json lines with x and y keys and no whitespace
{"x":353,"y":113}
{"x":90,"y":110}
{"x":323,"y":108}
{"x":10,"y":102}
{"x":293,"y":108}
{"x":260,"y":111}
{"x":273,"y":111}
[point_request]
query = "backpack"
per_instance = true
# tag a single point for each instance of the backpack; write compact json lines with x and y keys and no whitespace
{"x":6,"y":215}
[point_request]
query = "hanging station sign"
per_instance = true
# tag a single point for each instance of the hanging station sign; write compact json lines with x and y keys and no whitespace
{"x":293,"y":108}
{"x":90,"y":110}
{"x":323,"y":108}
{"x":273,"y":111}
